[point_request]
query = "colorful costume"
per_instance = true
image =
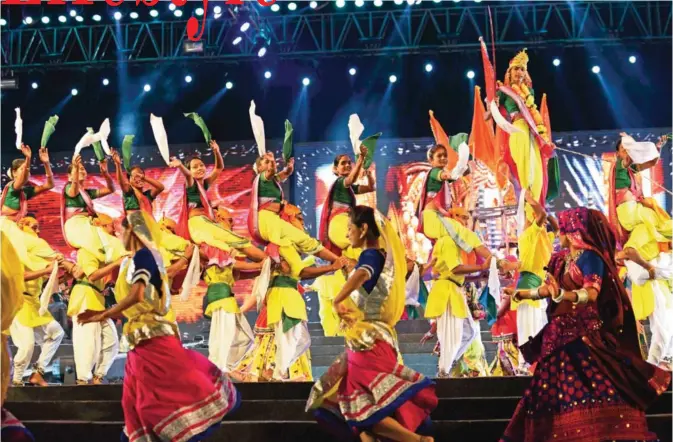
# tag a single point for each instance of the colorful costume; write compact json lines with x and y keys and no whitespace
{"x":431,"y":222}
{"x":582,"y":389}
{"x":333,"y":231}
{"x":366,"y":383}
{"x":96,"y":343}
{"x":328,"y":287}
{"x":170,"y":393}
{"x":78,"y":230}
{"x":473,"y":361}
{"x":446,"y":301}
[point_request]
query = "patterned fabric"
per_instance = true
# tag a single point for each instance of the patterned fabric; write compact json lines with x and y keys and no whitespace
{"x":13,"y":430}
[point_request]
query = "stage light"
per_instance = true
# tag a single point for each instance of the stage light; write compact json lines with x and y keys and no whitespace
{"x":393,"y":78}
{"x":556,"y":62}
{"x":28,"y":20}
{"x":72,"y":13}
{"x":340,"y":3}
{"x":133,"y":15}
{"x":237,"y":40}
{"x":632,"y":59}
{"x":154,"y":13}
{"x":267,"y":74}
{"x":596,"y":69}
{"x":428,"y":67}
{"x":118,"y":15}
{"x":188,"y":78}
{"x":398,"y":2}
{"x":410,"y":2}
{"x":229,"y":85}
{"x":217,"y":9}
{"x":470,"y":74}
{"x":198,"y":11}
{"x":378,"y":3}
{"x":456,"y":1}
{"x":292,"y":6}
{"x":275,"y":7}
{"x":245,"y":26}
{"x":171,"y":6}
{"x":62,"y":18}
{"x":106,"y":81}
{"x":306,"y":81}
{"x":313,"y":5}
{"x":352,"y":71}
{"x":147,"y":88}
{"x":45,"y":20}
{"x":3,"y":22}
{"x":359,"y":3}
{"x":437,"y":1}
{"x":177,"y":12}
{"x":74,"y":92}
{"x":34,"y":85}
{"x":79,"y":19}
{"x":477,"y":1}
{"x":96,"y":17}
{"x":262,"y":52}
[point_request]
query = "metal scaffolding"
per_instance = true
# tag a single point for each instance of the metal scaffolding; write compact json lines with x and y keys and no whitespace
{"x":441,"y":29}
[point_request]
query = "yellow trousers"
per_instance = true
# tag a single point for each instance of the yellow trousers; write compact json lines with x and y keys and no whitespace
{"x":528,"y":164}
{"x":278,"y":231}
{"x":82,"y":234}
{"x":646,"y":225}
{"x":204,"y":231}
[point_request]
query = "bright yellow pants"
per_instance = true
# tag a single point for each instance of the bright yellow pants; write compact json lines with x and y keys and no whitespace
{"x":202,"y":230}
{"x":284,"y":299}
{"x":259,"y":363}
{"x":646,"y":225}
{"x":82,"y":234}
{"x":31,"y":250}
{"x":277,"y":231}
{"x":338,"y":235}
{"x":528,"y":164}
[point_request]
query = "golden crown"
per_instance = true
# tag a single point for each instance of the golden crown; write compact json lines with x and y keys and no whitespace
{"x":520,"y":60}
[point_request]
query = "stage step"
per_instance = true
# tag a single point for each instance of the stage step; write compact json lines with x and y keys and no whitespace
{"x":488,"y":430}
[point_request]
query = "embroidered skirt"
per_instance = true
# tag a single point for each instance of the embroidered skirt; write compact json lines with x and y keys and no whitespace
{"x":376,"y":386}
{"x":172,"y":393}
{"x":570,"y":399}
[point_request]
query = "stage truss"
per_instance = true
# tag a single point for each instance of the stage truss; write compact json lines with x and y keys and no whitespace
{"x":452,"y":28}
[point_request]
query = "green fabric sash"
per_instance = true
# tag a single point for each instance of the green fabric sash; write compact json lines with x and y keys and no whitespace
{"x":288,"y":322}
{"x":528,"y":280}
{"x":283,"y":281}
{"x":553,"y":179}
{"x":412,"y":312}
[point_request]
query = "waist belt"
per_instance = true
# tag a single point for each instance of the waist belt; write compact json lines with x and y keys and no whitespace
{"x":216,"y":292}
{"x":528,"y":280}
{"x":88,"y":284}
{"x":284,"y":281}
{"x":459,"y":284}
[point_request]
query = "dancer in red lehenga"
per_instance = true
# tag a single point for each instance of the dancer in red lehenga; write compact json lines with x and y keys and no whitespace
{"x":591,"y":382}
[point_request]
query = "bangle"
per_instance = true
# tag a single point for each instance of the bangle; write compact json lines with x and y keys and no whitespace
{"x":535,"y":294}
{"x":582,"y":296}
{"x":560,"y":297}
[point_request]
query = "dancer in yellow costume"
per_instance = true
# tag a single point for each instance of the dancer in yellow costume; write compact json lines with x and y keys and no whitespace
{"x":529,"y":142}
{"x":197,"y":218}
{"x":340,"y":199}
{"x":14,"y":204}
{"x":11,"y":289}
{"x":77,"y":214}
{"x":34,"y":324}
{"x":446,"y":301}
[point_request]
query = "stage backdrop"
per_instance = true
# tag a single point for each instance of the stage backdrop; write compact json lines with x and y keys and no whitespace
{"x":400,"y":169}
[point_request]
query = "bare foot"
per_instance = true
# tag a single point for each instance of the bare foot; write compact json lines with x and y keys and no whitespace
{"x":98,"y":380}
{"x":37,"y":379}
{"x":427,"y":439}
{"x":366,"y":437}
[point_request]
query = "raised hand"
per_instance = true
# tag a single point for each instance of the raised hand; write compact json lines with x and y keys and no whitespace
{"x":290,"y":165}
{"x":25,"y":150}
{"x":115,"y":157}
{"x":43,"y":153}
{"x":77,"y":161}
{"x":363,"y":151}
{"x":103,"y":167}
{"x":175,"y":162}
{"x":214,"y":146}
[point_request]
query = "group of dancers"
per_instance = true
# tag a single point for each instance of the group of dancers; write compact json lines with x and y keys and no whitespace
{"x":576,"y":325}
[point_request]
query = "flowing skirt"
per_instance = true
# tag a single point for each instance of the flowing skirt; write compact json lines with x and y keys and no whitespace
{"x":373,"y":387}
{"x":172,"y":393}
{"x":571,"y":399}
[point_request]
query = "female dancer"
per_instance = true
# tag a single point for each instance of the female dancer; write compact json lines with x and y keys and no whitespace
{"x":340,"y":199}
{"x":370,"y":304}
{"x":436,"y":196}
{"x":132,"y":187}
{"x":582,"y":390}
{"x":197,"y":220}
{"x":77,"y":214}
{"x":170,"y":393}
{"x":14,"y":203}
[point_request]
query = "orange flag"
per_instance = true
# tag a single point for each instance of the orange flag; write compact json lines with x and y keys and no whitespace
{"x":482,"y":139}
{"x":544,"y":113}
{"x":443,"y":139}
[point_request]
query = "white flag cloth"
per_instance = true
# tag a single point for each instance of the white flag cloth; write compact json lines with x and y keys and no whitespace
{"x":104,"y":133}
{"x":500,"y":121}
{"x":193,"y":275}
{"x":261,"y":284}
{"x":18,"y":128}
{"x":413,"y":286}
{"x":160,"y":136}
{"x":257,"y":129}
{"x":49,"y":290}
{"x":494,"y":281}
{"x":521,"y":214}
{"x":663,"y":269}
{"x":355,"y":130}
{"x":461,"y":165}
{"x":640,"y":151}
{"x":86,"y":141}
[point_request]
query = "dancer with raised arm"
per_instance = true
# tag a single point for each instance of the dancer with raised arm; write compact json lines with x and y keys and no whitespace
{"x":366,"y":390}
{"x":170,"y":393}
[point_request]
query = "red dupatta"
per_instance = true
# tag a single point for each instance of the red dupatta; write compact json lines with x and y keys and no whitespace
{"x":636,"y":190}
{"x":182,"y":228}
{"x":326,"y":217}
{"x":442,"y":200}
{"x":64,"y":211}
{"x":23,"y":202}
{"x":253,"y":213}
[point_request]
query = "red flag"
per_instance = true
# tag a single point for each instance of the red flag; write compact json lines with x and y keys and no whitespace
{"x":489,"y":72}
{"x":544,"y":113}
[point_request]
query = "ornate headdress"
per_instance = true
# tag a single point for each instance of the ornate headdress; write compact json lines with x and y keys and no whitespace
{"x":520,"y":60}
